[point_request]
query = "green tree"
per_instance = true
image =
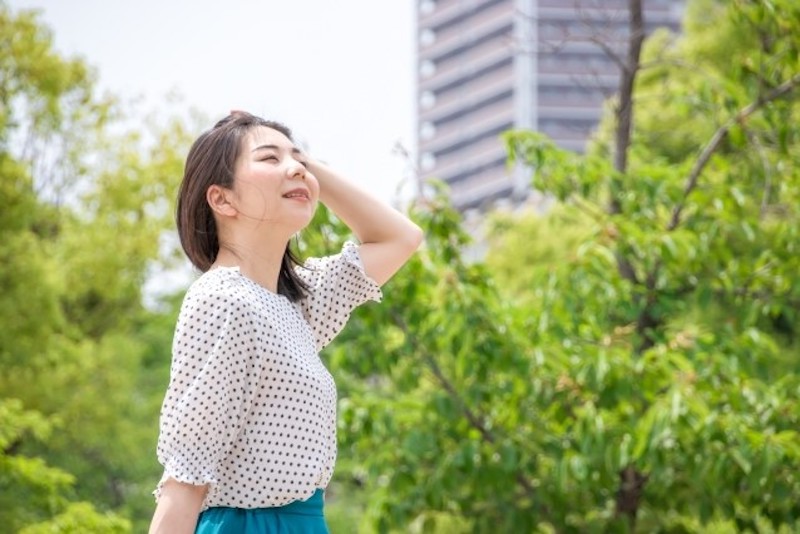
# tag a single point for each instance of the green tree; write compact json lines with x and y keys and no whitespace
{"x":84,"y":363}
{"x":643,"y":376}
{"x":29,"y":488}
{"x":700,"y":237}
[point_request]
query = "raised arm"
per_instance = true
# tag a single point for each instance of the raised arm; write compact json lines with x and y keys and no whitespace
{"x":388,"y":238}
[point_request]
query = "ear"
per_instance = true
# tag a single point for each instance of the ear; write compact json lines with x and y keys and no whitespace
{"x":217,"y":198}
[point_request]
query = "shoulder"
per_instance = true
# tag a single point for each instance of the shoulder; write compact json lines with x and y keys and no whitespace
{"x":341,"y":267}
{"x":219,"y":289}
{"x":348,"y":254}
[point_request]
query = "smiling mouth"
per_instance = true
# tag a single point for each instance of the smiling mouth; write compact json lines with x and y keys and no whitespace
{"x":298,"y":194}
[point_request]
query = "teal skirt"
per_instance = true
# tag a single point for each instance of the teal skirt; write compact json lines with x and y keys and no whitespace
{"x":299,"y":517}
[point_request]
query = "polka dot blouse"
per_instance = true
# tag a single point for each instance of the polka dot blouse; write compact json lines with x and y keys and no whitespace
{"x":250,"y":408}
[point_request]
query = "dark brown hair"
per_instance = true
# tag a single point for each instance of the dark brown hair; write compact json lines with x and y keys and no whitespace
{"x":212,"y":161}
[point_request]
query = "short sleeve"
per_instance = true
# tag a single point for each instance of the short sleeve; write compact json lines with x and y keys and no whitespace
{"x":212,"y":379}
{"x":337,"y":285}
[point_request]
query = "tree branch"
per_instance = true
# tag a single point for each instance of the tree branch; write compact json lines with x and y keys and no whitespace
{"x":473,"y":419}
{"x":719,"y":136}
{"x":609,"y":52}
{"x":767,"y":173}
{"x":626,"y":83}
{"x":588,"y":208}
{"x":624,"y":116}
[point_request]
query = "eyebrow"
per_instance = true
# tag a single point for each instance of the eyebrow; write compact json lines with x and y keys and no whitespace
{"x":295,"y":150}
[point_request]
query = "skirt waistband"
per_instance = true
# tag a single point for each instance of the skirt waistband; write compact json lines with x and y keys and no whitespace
{"x":299,"y":516}
{"x":312,"y":506}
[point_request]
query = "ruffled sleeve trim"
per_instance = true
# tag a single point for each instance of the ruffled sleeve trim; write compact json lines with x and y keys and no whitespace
{"x":172,"y":472}
{"x":351,"y":255}
{"x":337,"y":285}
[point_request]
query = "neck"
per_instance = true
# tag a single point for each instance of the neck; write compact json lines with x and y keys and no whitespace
{"x":260,"y":262}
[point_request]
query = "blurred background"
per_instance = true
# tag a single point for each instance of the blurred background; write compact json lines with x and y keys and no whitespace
{"x":599,"y":335}
{"x":341,"y":76}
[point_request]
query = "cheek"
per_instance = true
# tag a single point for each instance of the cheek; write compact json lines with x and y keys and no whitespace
{"x":246,"y":189}
{"x":313,"y":185}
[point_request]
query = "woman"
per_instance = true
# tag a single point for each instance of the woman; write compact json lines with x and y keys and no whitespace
{"x":248,"y":425}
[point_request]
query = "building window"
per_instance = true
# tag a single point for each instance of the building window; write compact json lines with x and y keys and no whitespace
{"x":427,"y":161}
{"x":427,"y":130}
{"x":427,"y":37}
{"x":427,"y":68}
{"x":427,"y":99}
{"x":427,"y":6}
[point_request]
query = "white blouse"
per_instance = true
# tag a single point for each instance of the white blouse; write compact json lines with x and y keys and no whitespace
{"x":250,"y":408}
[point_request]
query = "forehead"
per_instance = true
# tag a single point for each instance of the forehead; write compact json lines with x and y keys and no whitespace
{"x":263,"y":135}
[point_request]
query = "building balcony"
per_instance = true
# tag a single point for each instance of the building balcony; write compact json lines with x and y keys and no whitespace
{"x":601,"y":81}
{"x":567,"y":129}
{"x":570,"y":112}
{"x":488,"y":149}
{"x":444,"y":143}
{"x":485,"y":78}
{"x":453,"y":70}
{"x":468,"y":126}
{"x":611,"y":12}
{"x":441,"y":12}
{"x":457,"y":14}
{"x":472,"y":93}
{"x":482,"y":188}
{"x":436,"y":44}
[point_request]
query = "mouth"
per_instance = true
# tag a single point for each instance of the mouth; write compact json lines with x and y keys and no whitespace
{"x":298,"y":194}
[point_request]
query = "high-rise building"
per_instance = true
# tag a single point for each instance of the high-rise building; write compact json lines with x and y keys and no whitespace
{"x":485,"y":66}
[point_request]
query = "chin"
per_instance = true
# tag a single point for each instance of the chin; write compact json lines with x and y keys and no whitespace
{"x":302,"y":221}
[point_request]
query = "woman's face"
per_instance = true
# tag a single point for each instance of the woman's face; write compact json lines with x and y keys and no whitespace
{"x":271,"y":183}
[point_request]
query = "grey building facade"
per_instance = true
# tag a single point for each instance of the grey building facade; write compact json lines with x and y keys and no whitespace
{"x":485,"y":66}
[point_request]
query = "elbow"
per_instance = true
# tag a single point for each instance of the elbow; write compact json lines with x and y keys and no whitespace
{"x":414,"y":238}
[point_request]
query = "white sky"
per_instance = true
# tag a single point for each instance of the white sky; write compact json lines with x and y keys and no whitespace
{"x":339,"y":73}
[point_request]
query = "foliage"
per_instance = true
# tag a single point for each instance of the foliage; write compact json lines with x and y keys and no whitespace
{"x":87,"y":202}
{"x":25,"y":483}
{"x":80,"y":518}
{"x":612,"y":370}
{"x":447,"y":358}
{"x":525,"y":248}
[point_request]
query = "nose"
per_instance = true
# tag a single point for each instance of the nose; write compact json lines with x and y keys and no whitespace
{"x":296,"y":169}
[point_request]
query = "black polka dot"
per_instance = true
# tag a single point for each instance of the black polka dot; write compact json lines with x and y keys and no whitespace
{"x":250,"y":408}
